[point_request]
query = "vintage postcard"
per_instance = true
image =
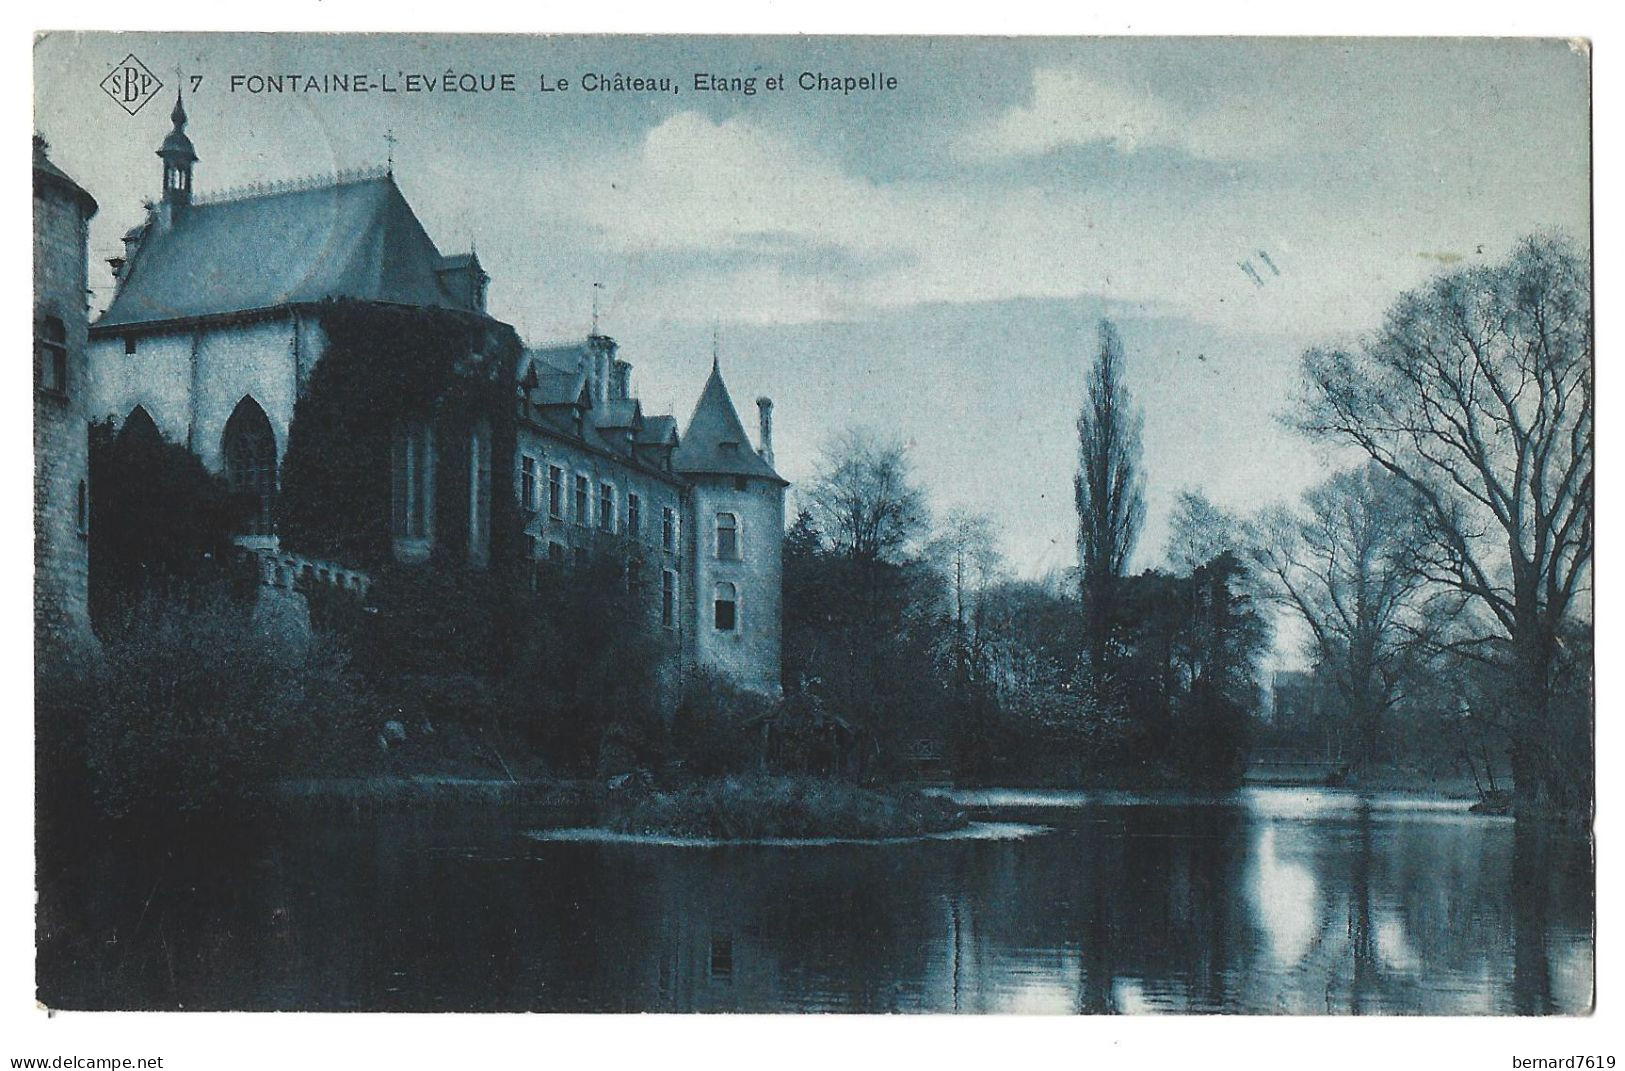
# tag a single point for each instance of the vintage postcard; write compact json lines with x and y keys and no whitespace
{"x":813,"y":524}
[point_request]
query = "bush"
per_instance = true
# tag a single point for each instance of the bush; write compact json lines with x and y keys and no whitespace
{"x":754,"y":808}
{"x":195,"y":706}
{"x":716,"y":729}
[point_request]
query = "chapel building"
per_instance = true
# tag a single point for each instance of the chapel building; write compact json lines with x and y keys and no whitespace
{"x":224,"y":307}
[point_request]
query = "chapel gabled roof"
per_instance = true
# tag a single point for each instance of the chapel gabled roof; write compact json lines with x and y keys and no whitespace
{"x":350,"y":238}
{"x":715,"y":442}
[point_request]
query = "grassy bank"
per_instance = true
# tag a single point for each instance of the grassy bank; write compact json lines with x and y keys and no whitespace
{"x":752,"y":808}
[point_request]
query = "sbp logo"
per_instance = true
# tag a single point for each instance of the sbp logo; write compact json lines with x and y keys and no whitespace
{"x":131,"y":85}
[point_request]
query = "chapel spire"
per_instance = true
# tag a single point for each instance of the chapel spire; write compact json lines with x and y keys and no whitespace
{"x":178,"y":157}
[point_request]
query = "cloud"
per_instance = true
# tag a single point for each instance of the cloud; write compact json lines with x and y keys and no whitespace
{"x":735,"y":219}
{"x":1069,"y":107}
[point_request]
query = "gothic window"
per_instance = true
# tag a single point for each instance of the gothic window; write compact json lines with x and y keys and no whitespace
{"x":668,"y":528}
{"x":728,"y":536}
{"x":249,"y":448}
{"x":606,"y":507}
{"x":634,"y":516}
{"x":479,"y":495}
{"x":139,"y":427}
{"x":51,"y":346}
{"x":727,"y":606}
{"x":583,"y":505}
{"x":413,"y":485}
{"x":668,"y":599}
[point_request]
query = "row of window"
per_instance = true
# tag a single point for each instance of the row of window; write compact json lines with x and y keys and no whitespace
{"x":725,"y":595}
{"x":581,"y":500}
{"x":413,"y":493}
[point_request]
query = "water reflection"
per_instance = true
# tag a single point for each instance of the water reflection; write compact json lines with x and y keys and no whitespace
{"x":1260,"y":901}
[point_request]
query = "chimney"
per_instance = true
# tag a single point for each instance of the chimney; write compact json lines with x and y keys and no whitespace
{"x":621,"y":383}
{"x":602,"y":349}
{"x":764,"y":409}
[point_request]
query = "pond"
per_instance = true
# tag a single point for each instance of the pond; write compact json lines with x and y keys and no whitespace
{"x":1262,"y":900}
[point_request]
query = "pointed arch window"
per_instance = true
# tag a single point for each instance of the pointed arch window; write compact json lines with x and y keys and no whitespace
{"x":249,"y":449}
{"x":139,"y":426}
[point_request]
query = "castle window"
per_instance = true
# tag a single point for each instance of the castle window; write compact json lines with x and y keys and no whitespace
{"x":668,"y":599}
{"x":634,"y":516}
{"x":479,"y":495}
{"x":606,"y":507}
{"x":249,"y":448}
{"x":668,"y":529}
{"x":583,"y":504}
{"x":81,"y":510}
{"x":727,"y":606}
{"x":413,"y":481}
{"x":129,"y":345}
{"x":728,"y":536}
{"x":52,"y":348}
{"x":527,"y":483}
{"x":555,"y":492}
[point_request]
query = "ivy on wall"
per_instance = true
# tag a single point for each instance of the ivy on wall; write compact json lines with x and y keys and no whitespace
{"x":384,"y":364}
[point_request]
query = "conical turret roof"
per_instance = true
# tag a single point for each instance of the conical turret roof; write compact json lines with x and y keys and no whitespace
{"x":715,"y":442}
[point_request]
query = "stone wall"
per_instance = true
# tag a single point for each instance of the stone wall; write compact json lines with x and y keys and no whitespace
{"x":750,"y":653}
{"x":189,"y":381}
{"x":61,"y":430}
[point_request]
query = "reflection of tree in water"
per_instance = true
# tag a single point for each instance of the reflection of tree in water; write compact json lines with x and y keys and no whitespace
{"x":1123,"y":908}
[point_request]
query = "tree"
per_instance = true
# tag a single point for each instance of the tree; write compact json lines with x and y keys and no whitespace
{"x":858,"y":599}
{"x":965,"y":548}
{"x":1345,"y":564}
{"x":160,"y":523}
{"x":1108,"y":489}
{"x":1477,"y":392}
{"x":863,"y":498}
{"x":1199,"y":532}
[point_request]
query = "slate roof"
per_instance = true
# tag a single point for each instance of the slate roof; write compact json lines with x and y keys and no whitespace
{"x":620,"y":414}
{"x":704,"y":449}
{"x":657,"y":430}
{"x":559,"y":357}
{"x":49,"y":173}
{"x":353,"y":239}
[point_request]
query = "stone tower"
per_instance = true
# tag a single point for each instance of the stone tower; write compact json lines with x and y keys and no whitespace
{"x":734,"y":543}
{"x":62,"y":212}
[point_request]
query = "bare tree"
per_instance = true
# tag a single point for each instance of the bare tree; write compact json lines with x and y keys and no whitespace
{"x":1199,"y":532}
{"x":1345,"y":564}
{"x":1477,"y":393}
{"x":863,"y":497}
{"x":1108,"y":489}
{"x":965,"y":547}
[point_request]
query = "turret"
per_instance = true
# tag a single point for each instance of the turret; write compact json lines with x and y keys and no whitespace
{"x":178,"y":157}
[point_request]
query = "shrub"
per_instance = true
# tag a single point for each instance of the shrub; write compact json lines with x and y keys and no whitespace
{"x":717,"y":728}
{"x":196,"y":706}
{"x":753,"y":808}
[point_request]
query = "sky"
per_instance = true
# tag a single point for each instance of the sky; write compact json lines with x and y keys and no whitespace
{"x":931,"y":260}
